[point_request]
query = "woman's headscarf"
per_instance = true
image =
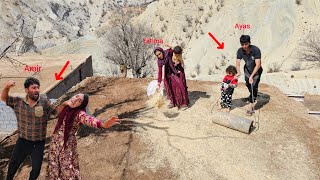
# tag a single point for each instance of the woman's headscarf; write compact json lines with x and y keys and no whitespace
{"x":68,"y":115}
{"x":166,"y":56}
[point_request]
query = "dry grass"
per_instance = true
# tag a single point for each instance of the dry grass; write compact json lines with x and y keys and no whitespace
{"x":156,"y":101}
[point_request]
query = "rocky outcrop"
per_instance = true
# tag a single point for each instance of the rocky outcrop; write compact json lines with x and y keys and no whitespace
{"x":46,"y":23}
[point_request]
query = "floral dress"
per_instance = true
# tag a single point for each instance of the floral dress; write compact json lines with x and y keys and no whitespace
{"x":63,"y":163}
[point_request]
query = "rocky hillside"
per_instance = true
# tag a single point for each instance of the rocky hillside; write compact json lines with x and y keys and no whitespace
{"x":46,"y":23}
{"x":276,"y":27}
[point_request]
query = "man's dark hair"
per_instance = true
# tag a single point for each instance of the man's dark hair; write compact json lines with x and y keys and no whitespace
{"x":231,"y":69}
{"x":177,"y":50}
{"x":245,"y":39}
{"x":30,"y":81}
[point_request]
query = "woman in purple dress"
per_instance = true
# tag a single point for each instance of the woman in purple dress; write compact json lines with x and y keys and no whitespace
{"x":63,"y":162}
{"x":174,"y":77}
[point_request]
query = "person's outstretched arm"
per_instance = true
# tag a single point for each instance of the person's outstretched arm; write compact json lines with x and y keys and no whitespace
{"x":159,"y":75}
{"x":238,"y":61}
{"x":169,"y":46}
{"x":111,"y":122}
{"x":61,"y":106}
{"x":84,"y":118}
{"x":6,"y":89}
{"x":238,"y":69}
{"x":53,"y":110}
{"x":234,"y":83}
{"x":182,"y":63}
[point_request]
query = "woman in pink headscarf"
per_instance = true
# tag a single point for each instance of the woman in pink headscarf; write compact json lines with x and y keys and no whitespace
{"x":174,"y":77}
{"x":63,"y":162}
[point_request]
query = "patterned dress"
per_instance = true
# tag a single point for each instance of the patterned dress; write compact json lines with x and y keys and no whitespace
{"x":63,"y":163}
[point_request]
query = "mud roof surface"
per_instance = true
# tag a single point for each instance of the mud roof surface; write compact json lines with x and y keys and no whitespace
{"x":166,"y":143}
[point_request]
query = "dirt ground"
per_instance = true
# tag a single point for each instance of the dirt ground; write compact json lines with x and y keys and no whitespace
{"x":312,"y":102}
{"x":166,"y":143}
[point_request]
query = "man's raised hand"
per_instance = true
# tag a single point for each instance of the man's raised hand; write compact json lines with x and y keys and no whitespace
{"x":10,"y":84}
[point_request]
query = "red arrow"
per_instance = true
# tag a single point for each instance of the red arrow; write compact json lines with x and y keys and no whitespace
{"x":220,"y":46}
{"x":58,"y":76}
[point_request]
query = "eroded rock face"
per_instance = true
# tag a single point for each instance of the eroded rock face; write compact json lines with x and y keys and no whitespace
{"x":8,"y":119}
{"x":46,"y":23}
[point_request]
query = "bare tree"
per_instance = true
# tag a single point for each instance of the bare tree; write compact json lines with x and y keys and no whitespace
{"x":125,"y":41}
{"x":310,"y":49}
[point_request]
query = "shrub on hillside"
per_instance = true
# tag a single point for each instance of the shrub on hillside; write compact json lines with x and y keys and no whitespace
{"x":188,"y":18}
{"x":296,"y":67}
{"x":184,"y":29}
{"x":161,"y":18}
{"x":221,"y":3}
{"x":218,"y":8}
{"x":298,"y":2}
{"x":182,"y":45}
{"x":223,"y":62}
{"x":188,"y":35}
{"x":197,"y":68}
{"x":206,"y":19}
{"x":310,"y":48}
{"x":164,"y":28}
{"x":274,"y":67}
{"x":201,"y":8}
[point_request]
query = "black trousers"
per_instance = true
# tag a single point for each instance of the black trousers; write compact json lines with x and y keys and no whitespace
{"x":255,"y":85}
{"x":23,"y":149}
{"x":225,"y":100}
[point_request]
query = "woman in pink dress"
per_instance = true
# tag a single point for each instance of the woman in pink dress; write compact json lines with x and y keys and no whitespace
{"x":180,"y":87}
{"x":63,"y":162}
{"x":174,"y":77}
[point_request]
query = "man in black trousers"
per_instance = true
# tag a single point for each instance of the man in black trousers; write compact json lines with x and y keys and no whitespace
{"x":251,"y":55}
{"x":32,"y":114}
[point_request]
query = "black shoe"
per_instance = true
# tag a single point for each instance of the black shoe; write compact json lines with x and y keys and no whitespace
{"x":245,"y":99}
{"x":249,"y":99}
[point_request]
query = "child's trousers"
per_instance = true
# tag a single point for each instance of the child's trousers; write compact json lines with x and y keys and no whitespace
{"x":225,"y":100}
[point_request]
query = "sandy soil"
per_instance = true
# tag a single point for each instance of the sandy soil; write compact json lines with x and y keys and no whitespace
{"x":174,"y":144}
{"x":312,"y":102}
